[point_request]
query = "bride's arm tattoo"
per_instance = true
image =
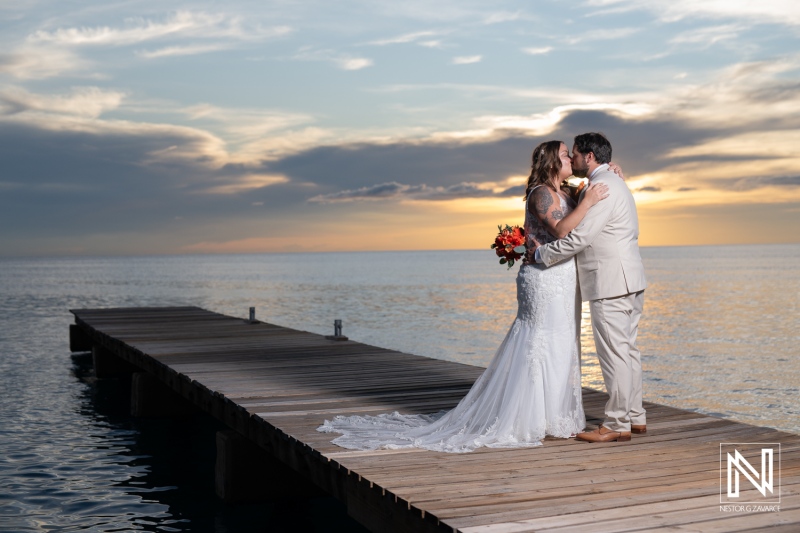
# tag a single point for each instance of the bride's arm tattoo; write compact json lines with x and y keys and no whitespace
{"x":543,"y":201}
{"x":550,"y":212}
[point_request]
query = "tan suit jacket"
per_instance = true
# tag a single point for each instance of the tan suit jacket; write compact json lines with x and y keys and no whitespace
{"x":605,"y":243}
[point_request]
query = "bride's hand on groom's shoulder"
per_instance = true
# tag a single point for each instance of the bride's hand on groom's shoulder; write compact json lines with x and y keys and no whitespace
{"x":594,"y":193}
{"x":616,"y":169}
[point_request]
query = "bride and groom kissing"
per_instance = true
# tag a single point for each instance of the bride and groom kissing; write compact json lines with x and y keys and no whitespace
{"x":586,"y":250}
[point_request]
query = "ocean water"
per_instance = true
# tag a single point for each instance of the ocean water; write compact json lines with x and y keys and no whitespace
{"x":720,"y":335}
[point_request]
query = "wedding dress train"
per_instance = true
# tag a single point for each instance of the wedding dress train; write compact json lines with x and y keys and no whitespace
{"x":531,"y":388}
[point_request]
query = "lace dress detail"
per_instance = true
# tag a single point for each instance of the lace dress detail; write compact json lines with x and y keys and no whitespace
{"x":531,"y":388}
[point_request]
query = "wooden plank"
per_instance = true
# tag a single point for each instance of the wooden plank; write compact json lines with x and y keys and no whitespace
{"x":695,"y":514}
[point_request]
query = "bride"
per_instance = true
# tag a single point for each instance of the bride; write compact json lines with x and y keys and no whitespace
{"x":532,"y":386}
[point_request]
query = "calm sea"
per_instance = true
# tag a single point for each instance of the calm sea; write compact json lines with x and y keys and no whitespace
{"x":720,"y":335}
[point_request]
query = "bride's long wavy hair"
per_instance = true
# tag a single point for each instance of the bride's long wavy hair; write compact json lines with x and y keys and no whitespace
{"x":545,"y":164}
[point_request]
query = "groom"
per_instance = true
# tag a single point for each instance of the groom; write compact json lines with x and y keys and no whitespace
{"x":611,"y":278}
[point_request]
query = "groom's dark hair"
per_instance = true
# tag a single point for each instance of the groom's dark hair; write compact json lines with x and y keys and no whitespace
{"x":595,"y":143}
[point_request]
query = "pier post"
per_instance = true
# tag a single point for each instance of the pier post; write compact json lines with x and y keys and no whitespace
{"x":79,"y":341}
{"x":337,"y":332}
{"x":110,"y":365}
{"x":247,"y":473}
{"x":151,"y":398}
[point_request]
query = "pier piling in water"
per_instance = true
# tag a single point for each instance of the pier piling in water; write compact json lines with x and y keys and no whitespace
{"x":79,"y":341}
{"x":150,"y":398}
{"x":107,"y":364}
{"x":244,"y":473}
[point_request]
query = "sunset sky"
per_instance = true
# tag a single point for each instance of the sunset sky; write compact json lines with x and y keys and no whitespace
{"x":143,"y":127}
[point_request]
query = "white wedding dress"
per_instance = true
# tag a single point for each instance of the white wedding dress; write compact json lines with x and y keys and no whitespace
{"x":531,"y":388}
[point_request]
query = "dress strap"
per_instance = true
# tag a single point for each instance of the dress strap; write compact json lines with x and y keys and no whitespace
{"x":530,"y":193}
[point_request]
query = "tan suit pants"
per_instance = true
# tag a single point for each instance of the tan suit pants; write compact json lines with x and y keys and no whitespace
{"x":615,"y":323}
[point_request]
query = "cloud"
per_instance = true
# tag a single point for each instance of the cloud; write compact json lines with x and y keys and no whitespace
{"x":645,"y":143}
{"x":774,"y":11}
{"x":137,"y":30}
{"x":49,"y":53}
{"x":419,"y":38}
{"x":617,"y":33}
{"x":404,"y":38}
{"x":686,"y":189}
{"x":541,"y":123}
{"x":757,"y":182}
{"x":440,"y":161}
{"x":433,"y":43}
{"x":88,"y":176}
{"x":106,"y":161}
{"x":709,"y":36}
{"x":39,"y":62}
{"x":537,"y":51}
{"x":492,"y":91}
{"x":420,"y":10}
{"x":396,"y":190}
{"x":353,"y":166}
{"x":243,"y":183}
{"x":353,"y":63}
{"x":784,"y":12}
{"x":187,"y":50}
{"x":466,"y":60}
{"x":88,"y":102}
{"x":772,"y":93}
{"x":502,"y":16}
{"x":342,"y":61}
{"x":382,"y":190}
{"x":243,"y":125}
{"x":648,"y":189}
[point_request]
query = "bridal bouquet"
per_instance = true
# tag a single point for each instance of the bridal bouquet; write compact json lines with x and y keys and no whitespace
{"x":509,"y":245}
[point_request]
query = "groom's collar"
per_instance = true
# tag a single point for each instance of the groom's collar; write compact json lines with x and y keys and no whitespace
{"x":604,"y":166}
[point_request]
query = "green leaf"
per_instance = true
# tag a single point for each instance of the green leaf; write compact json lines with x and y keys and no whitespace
{"x":510,"y":263}
{"x":520,"y":249}
{"x":493,"y":246}
{"x":503,"y":260}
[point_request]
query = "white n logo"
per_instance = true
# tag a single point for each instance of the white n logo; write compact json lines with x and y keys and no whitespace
{"x":739,"y":462}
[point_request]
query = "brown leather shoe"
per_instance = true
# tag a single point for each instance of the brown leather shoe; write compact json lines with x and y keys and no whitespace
{"x":603,"y":434}
{"x":638,"y":428}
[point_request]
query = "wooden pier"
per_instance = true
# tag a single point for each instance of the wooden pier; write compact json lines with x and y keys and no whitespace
{"x":273,"y":386}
